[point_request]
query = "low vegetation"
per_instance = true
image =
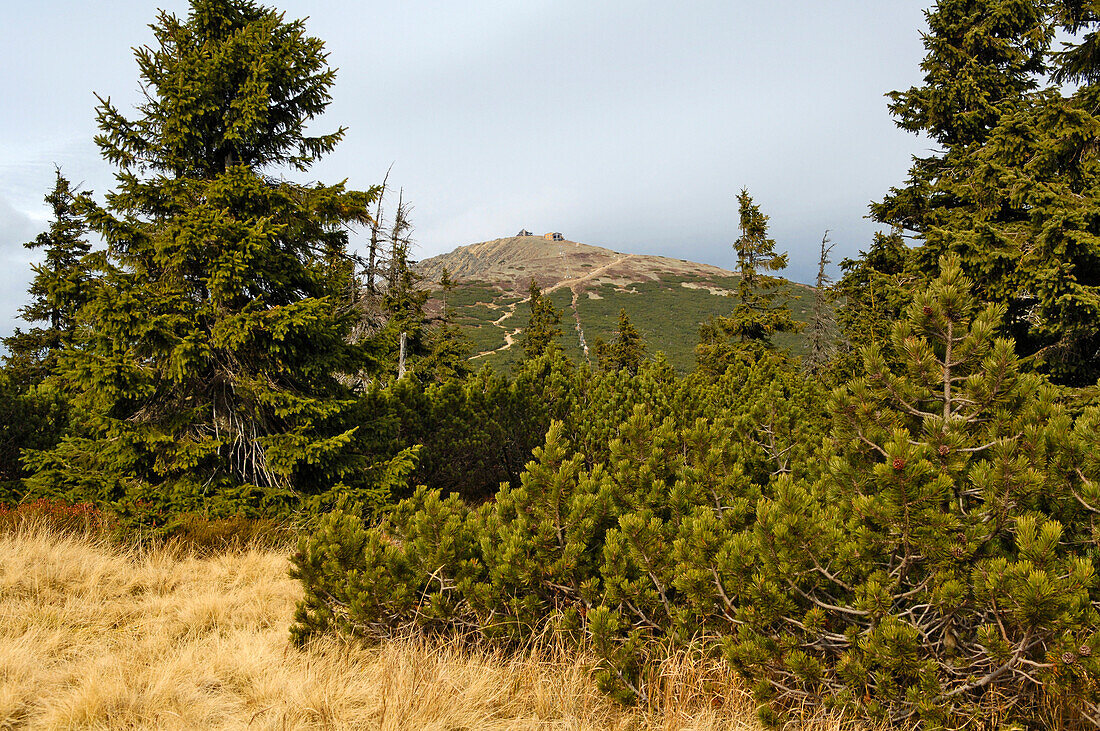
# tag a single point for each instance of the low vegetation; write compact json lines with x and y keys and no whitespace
{"x":667,"y":310}
{"x":98,"y":634}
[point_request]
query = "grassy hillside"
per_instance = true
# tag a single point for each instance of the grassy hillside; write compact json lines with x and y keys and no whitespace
{"x":667,"y":310}
{"x":100,"y":637}
{"x":666,"y":299}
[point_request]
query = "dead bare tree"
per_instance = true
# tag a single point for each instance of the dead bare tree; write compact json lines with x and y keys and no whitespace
{"x":376,"y":238}
{"x":822,"y":332}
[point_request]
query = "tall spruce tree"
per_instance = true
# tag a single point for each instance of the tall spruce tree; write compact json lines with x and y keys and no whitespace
{"x":872,"y":293}
{"x":982,"y":57}
{"x":626,"y":351}
{"x":449,"y":353}
{"x":761,"y":310}
{"x":1013,"y":189}
{"x":61,"y":286}
{"x":206,"y":371}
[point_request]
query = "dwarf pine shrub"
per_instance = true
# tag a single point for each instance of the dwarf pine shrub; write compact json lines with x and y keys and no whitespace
{"x":930,"y":563}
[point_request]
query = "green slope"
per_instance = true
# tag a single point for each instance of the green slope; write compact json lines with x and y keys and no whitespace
{"x":667,"y":311}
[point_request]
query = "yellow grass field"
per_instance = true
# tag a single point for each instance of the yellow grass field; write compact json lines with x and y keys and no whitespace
{"x":97,"y":637}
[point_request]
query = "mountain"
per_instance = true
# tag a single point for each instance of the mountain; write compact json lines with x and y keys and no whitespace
{"x":667,"y":299}
{"x":512,"y":262}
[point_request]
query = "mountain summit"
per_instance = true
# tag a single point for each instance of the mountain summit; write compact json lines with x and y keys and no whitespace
{"x":510,"y":263}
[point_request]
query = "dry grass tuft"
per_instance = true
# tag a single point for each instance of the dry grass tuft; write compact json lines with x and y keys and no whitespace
{"x":99,"y":637}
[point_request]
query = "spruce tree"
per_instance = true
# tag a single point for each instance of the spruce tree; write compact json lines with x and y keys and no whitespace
{"x":872,"y":293}
{"x":761,"y":310}
{"x":449,"y":348}
{"x":206,"y":371}
{"x":30,"y":418}
{"x":1012,"y":189}
{"x":982,"y":57}
{"x":405,"y":334}
{"x":626,"y":351}
{"x":543,"y":327}
{"x":61,"y":286}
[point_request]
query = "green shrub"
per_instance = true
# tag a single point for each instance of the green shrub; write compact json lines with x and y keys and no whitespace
{"x":931,"y":564}
{"x":942,"y":570}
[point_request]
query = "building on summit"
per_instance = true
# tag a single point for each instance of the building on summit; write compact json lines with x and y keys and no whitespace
{"x":553,"y":236}
{"x":524,"y":232}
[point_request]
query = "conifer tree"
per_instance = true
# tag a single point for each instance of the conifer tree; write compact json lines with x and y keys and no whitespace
{"x":873,"y":293}
{"x":206,"y":373}
{"x":982,"y":58}
{"x":758,"y":314}
{"x":761,"y":310}
{"x":626,"y":351}
{"x":544,"y":326}
{"x":61,"y":286}
{"x":1012,"y":190}
{"x":405,"y":334}
{"x":449,"y":348}
{"x":30,"y":418}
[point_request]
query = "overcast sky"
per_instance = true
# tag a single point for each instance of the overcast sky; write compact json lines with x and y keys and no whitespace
{"x":630,"y":125}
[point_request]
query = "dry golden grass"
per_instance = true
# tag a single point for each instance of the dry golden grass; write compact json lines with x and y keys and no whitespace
{"x":93,"y":636}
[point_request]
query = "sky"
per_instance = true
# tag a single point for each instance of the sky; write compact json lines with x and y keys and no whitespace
{"x":630,"y":125}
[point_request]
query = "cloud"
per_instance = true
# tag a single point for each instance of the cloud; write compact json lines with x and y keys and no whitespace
{"x":16,"y":228}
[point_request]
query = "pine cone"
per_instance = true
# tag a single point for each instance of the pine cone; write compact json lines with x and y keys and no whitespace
{"x":1084,"y":651}
{"x":927,"y":310}
{"x":944,"y":450}
{"x":899,"y":463}
{"x":1069,"y":658}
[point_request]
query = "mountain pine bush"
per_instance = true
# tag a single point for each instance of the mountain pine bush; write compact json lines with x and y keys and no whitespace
{"x":936,"y":573}
{"x":931,"y":563}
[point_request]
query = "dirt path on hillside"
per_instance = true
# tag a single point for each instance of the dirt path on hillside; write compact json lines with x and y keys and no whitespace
{"x":573,"y":284}
{"x":509,"y":341}
{"x":591,"y":275}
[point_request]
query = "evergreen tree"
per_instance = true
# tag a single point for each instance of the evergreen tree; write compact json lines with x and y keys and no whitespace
{"x":449,"y":348}
{"x":1012,"y":190}
{"x":758,"y":314}
{"x":434,"y":350}
{"x":1078,"y":62}
{"x":31,"y":418}
{"x":61,"y":286}
{"x":982,"y":58}
{"x":405,"y":332}
{"x":625,"y":352}
{"x":761,"y":309}
{"x":206,"y":371}
{"x":873,"y":293}
{"x":544,"y":326}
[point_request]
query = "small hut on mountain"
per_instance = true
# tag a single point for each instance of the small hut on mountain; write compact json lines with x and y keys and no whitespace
{"x":524,"y":232}
{"x":553,"y":236}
